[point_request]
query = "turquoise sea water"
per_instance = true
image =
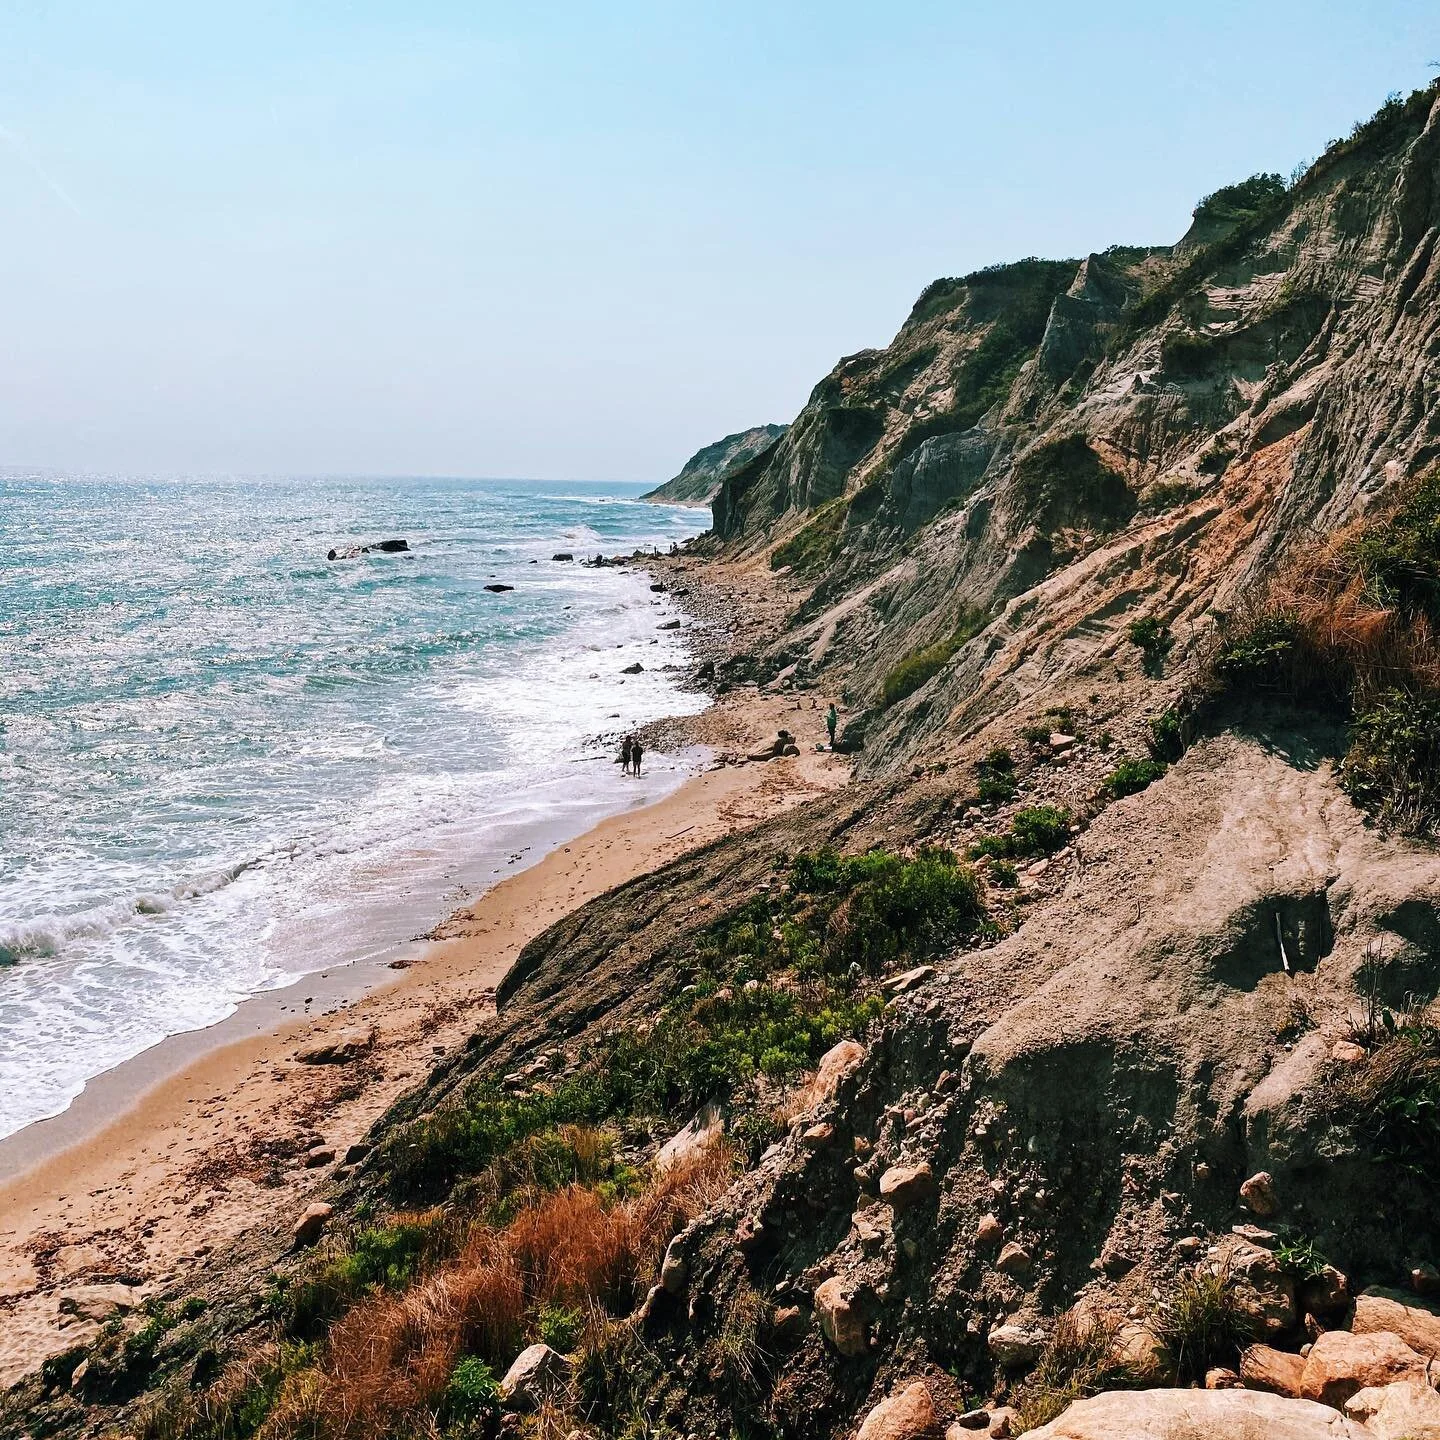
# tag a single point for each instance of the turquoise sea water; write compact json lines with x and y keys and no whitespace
{"x":226,"y":760}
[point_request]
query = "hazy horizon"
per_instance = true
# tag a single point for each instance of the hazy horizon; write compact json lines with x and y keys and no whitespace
{"x":416,"y":241}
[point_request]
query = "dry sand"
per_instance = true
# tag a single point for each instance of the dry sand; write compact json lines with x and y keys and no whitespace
{"x":217,"y":1145}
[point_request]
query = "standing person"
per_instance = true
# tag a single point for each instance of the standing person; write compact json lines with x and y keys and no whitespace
{"x":832,"y":717}
{"x":627,"y":754}
{"x":636,"y":751}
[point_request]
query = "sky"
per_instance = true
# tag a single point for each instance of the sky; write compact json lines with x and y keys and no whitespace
{"x":580,"y":240}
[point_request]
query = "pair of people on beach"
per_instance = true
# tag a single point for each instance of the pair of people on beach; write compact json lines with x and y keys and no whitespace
{"x":631,"y":753}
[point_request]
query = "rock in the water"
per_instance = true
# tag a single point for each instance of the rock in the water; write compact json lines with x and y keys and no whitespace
{"x":391,"y":547}
{"x":1262,"y":1367}
{"x":1198,"y":1415}
{"x":910,"y":1415}
{"x":1340,"y":1363}
{"x":562,"y":555}
{"x":498,"y":589}
{"x":538,"y":1374}
{"x":311,"y":1225}
{"x":1405,"y":1410}
{"x":1416,"y":1322}
{"x":842,"y":1316}
{"x":339,"y":1048}
{"x":669,"y":625}
{"x":906,"y":1185}
{"x":1258,"y":1196}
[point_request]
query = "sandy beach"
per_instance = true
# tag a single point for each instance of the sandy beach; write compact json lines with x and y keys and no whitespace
{"x":167,"y":1159}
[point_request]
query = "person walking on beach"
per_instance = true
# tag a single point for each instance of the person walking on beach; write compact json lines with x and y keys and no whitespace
{"x":636,"y":751}
{"x":832,"y":717}
{"x":627,"y":753}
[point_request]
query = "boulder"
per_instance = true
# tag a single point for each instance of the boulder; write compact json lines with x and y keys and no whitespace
{"x":311,"y":1225}
{"x":899,"y":984}
{"x":1014,"y":1259}
{"x":339,"y":1047}
{"x":634,"y":669}
{"x":1264,"y":1368}
{"x":1416,"y":1322}
{"x":562,"y":555}
{"x":538,"y":1374}
{"x":1139,"y":1350}
{"x":902,"y":1186}
{"x":835,"y":1064}
{"x":1405,"y":1410}
{"x":910,"y":1415}
{"x":318,"y":1155}
{"x":1221,"y":1377}
{"x":1262,"y":1291}
{"x":989,"y":1231}
{"x":1198,"y":1415}
{"x":704,"y":1131}
{"x":842,"y":1317}
{"x":1258,"y":1195}
{"x":391,"y":547}
{"x":674,"y":1270}
{"x":1340,"y":1363}
{"x":1015,"y":1345}
{"x":97,"y":1303}
{"x":1347,"y":1052}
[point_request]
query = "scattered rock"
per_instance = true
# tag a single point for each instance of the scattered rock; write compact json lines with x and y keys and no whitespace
{"x":97,"y":1303}
{"x":318,"y":1155}
{"x":970,"y":1420}
{"x":1347,"y":1052}
{"x":1257,"y":1194}
{"x":669,"y":625}
{"x":1015,"y":1345}
{"x":1014,"y":1259}
{"x":989,"y":1231}
{"x":1256,"y":1235}
{"x":1405,"y":1410}
{"x":1220,"y":1378}
{"x":1004,"y":1422}
{"x":789,"y":1323}
{"x":1416,"y":1322}
{"x":841,"y":1315}
{"x":910,"y":1415}
{"x":1059,"y":743}
{"x":1262,"y":1291}
{"x":703,"y":1132}
{"x":355,"y":1153}
{"x":1115,"y":1259}
{"x":1425,"y":1279}
{"x":311,"y":1225}
{"x":1197,"y":1415}
{"x":835,"y":1064}
{"x":562,"y":555}
{"x":1340,"y":1363}
{"x":905,"y":1185}
{"x":634,"y":669}
{"x":1264,"y":1368}
{"x":538,"y":1374}
{"x":909,"y":980}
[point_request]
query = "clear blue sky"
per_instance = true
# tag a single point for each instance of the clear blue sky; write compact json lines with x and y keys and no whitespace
{"x":581,"y":239}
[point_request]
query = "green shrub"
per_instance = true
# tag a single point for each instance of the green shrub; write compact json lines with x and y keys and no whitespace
{"x":1003,"y":873}
{"x":996,"y":787}
{"x":1392,"y":767}
{"x":1064,"y":482}
{"x":1153,"y":639}
{"x":560,"y":1327}
{"x":1395,"y":1099}
{"x":1130,"y":777}
{"x":1298,"y":1256}
{"x":1260,"y":653}
{"x":472,"y":1396}
{"x":1240,"y":204}
{"x":1038,"y":830}
{"x":1167,"y":736}
{"x":1203,"y":1324}
{"x":1399,"y":559}
{"x":915,"y":669}
{"x":1190,"y":356}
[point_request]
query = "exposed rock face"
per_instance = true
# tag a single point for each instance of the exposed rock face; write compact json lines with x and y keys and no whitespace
{"x":1405,"y":1410}
{"x":700,"y":476}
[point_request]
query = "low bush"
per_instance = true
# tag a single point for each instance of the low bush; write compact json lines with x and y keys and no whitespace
{"x":1130,"y":777}
{"x":1167,"y":736}
{"x":559,"y":1326}
{"x":1153,"y":639}
{"x":997,"y":782}
{"x":472,"y":1397}
{"x":1038,"y":830}
{"x":1392,"y":768}
{"x":1394,"y":1099}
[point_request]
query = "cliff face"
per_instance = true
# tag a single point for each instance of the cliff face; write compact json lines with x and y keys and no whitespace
{"x":701,"y":475}
{"x":1064,"y":446}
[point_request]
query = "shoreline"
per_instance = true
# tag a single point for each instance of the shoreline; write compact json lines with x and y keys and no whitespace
{"x":215,"y":1133}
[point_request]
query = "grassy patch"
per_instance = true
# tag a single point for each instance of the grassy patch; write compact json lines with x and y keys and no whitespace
{"x":1395,"y":1099}
{"x":811,"y":549}
{"x":1130,"y":777}
{"x":1078,"y":1361}
{"x":915,"y":669}
{"x":1202,"y":1324}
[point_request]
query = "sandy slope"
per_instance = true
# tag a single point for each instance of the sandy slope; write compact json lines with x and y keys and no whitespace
{"x":218,"y":1147}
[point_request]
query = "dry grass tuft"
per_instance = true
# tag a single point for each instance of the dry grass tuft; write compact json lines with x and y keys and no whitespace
{"x":389,"y":1359}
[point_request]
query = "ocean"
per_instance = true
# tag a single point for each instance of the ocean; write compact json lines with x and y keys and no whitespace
{"x":226,"y":761}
